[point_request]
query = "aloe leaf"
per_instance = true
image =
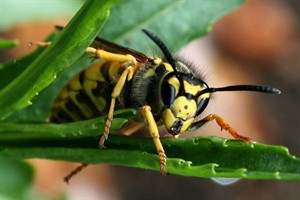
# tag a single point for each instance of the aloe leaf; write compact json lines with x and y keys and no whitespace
{"x":196,"y":157}
{"x":12,"y":133}
{"x":17,"y":176}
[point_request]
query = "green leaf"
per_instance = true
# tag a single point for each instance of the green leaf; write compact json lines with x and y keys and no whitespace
{"x":8,"y":44}
{"x":16,"y":178}
{"x":12,"y":69}
{"x":197,"y":157}
{"x":27,"y":133}
{"x":176,"y":22}
{"x":63,"y":52}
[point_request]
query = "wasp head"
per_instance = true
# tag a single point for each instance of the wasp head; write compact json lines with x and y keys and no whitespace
{"x":186,"y":96}
{"x":183,"y":101}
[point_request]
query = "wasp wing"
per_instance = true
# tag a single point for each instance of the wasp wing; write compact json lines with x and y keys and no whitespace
{"x":100,"y":43}
{"x":115,"y":48}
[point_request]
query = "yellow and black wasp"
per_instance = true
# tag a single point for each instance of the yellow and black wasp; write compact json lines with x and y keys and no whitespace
{"x":166,"y":91}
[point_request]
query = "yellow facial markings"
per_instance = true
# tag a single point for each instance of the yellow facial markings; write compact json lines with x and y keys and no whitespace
{"x":191,"y":89}
{"x":186,"y":124}
{"x":184,"y":108}
{"x":168,"y":118}
{"x":175,"y":83}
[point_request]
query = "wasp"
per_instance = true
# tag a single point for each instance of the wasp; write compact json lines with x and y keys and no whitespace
{"x":165,"y":91}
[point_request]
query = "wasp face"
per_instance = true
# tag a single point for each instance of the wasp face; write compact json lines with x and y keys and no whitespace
{"x":180,"y":115}
{"x":182,"y":103}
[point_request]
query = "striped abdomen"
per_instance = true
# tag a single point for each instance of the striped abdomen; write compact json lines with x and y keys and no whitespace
{"x":88,"y":93}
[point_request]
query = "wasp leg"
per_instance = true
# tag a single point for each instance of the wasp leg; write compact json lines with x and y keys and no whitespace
{"x":222,"y":123}
{"x":39,"y":44}
{"x":126,"y":74}
{"x":130,"y":128}
{"x":74,"y":172}
{"x":147,"y":114}
{"x":112,"y":57}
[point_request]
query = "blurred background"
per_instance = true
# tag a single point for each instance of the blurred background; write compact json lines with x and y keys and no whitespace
{"x":256,"y":44}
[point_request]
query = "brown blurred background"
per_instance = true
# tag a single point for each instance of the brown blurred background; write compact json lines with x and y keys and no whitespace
{"x":257,"y":44}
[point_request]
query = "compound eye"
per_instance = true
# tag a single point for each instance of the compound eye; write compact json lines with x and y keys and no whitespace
{"x":201,"y":105}
{"x":202,"y":100}
{"x":169,"y":89}
{"x":168,"y":93}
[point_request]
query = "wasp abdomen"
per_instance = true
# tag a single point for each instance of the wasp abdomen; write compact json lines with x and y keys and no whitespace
{"x":88,"y":94}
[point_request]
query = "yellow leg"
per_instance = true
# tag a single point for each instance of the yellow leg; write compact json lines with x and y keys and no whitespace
{"x":223,"y":124}
{"x":39,"y":44}
{"x":130,"y":128}
{"x":116,"y":92}
{"x":111,"y":57}
{"x":146,"y":111}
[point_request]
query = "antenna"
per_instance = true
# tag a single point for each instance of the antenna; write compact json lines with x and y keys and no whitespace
{"x":254,"y":88}
{"x":163,"y":48}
